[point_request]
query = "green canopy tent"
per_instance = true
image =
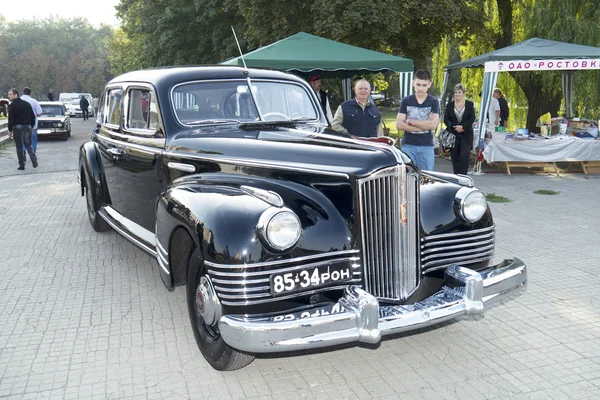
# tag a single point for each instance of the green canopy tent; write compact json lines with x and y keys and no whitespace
{"x":303,"y":53}
{"x":534,"y":54}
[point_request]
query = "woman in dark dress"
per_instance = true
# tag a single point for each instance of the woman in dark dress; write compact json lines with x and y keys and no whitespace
{"x":459,"y":118}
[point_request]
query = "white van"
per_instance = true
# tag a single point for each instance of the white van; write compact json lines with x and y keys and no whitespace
{"x":73,"y":107}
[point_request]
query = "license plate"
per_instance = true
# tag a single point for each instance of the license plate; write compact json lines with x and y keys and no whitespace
{"x":309,"y":278}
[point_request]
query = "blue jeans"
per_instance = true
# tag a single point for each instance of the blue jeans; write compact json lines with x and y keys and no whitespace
{"x":33,"y":140}
{"x":422,"y":156}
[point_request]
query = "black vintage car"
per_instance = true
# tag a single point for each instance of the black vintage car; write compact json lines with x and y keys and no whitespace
{"x":288,"y":235}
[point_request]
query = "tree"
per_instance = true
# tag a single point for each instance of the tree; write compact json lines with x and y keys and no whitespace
{"x":512,"y":21}
{"x":67,"y":55}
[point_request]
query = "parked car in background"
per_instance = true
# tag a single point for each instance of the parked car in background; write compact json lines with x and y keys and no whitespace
{"x":288,"y":235}
{"x":4,"y":107}
{"x":68,"y":98}
{"x":73,"y":108}
{"x":55,"y":120}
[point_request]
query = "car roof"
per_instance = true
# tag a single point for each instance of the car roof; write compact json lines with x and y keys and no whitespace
{"x":172,"y":75}
{"x":50,"y":103}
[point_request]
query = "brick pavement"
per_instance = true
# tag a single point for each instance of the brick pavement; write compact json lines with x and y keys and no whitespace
{"x":84,"y":315}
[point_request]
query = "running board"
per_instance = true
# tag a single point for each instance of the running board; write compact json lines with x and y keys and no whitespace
{"x":138,"y":235}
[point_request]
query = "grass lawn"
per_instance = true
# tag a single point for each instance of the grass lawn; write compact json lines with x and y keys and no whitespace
{"x":389,"y":114}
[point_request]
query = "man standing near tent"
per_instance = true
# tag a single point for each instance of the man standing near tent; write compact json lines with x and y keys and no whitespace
{"x":418,"y":117}
{"x":358,"y":116}
{"x":314,"y":79}
{"x":504,"y":112}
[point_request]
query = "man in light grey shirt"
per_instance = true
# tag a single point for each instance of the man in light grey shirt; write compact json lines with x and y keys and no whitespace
{"x":37,"y":110}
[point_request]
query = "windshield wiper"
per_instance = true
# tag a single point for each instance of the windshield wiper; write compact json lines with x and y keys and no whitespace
{"x":213,"y":121}
{"x":302,"y":119}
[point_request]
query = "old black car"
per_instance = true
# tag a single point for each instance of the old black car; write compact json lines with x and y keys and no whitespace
{"x":287,"y":234}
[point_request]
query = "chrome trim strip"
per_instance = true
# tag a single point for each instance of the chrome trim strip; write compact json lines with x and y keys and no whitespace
{"x":245,"y":289}
{"x":162,"y":258}
{"x":473,"y":239}
{"x":286,"y":261}
{"x":281,"y":270}
{"x":106,"y":212}
{"x":252,"y":296}
{"x":293,"y":295}
{"x":445,"y":246}
{"x":239,"y":282}
{"x":182,"y":167}
{"x":161,"y":248}
{"x":458,"y":261}
{"x":252,"y":163}
{"x":455,"y":234}
{"x":358,"y":316}
{"x":143,"y":145}
{"x":476,"y":250}
{"x":163,"y":266}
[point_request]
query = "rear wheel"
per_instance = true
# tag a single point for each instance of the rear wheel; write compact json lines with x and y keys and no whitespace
{"x":219,"y":354}
{"x":92,"y":201}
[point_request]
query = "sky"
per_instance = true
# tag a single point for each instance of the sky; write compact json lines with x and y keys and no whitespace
{"x":95,"y":11}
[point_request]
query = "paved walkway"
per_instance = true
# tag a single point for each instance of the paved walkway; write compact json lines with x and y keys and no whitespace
{"x":85,"y":315}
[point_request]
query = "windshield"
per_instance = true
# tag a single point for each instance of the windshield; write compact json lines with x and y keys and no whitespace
{"x":230,"y":100}
{"x":52,"y":110}
{"x":75,"y":102}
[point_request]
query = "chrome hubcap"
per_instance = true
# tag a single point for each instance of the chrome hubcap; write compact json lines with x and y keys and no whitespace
{"x":207,"y":302}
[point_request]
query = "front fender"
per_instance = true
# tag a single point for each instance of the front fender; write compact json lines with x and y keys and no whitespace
{"x":438,"y":212}
{"x":222,"y":218}
{"x":90,"y":166}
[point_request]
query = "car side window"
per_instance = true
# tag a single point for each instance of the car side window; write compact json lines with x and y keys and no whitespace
{"x":142,"y":110}
{"x":113,"y":105}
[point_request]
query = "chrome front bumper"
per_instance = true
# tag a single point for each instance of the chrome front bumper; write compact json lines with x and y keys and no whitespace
{"x":357,"y":317}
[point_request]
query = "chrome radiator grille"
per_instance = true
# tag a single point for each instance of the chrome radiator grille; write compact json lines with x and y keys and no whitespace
{"x":389,"y":226}
{"x":463,"y":248}
{"x":247,"y":284}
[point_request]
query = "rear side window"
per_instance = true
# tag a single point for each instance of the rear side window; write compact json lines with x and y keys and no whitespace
{"x":113,"y":107}
{"x":142,"y":110}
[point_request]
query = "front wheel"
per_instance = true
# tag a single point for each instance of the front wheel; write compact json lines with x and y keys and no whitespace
{"x":219,"y":354}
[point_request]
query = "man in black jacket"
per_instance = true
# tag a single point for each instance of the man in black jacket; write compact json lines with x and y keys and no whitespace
{"x":21,"y":121}
{"x":504,"y":111}
{"x":84,"y":105}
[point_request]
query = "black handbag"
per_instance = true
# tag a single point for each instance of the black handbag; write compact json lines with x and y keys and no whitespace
{"x":447,"y":139}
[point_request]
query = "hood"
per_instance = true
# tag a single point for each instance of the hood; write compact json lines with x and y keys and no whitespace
{"x":308,"y":148}
{"x":58,"y":118}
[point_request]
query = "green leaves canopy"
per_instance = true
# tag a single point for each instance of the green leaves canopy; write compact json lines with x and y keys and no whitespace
{"x":67,"y":55}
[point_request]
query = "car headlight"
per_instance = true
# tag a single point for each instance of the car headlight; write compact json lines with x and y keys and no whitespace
{"x":471,"y":204}
{"x":280,"y":228}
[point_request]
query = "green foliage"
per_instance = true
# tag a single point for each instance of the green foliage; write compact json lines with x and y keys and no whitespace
{"x":66,"y":55}
{"x":494,"y":198}
{"x":546,"y":192}
{"x":531,"y":92}
{"x":172,"y":32}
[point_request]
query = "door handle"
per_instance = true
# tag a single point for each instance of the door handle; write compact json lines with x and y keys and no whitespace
{"x":115,"y":153}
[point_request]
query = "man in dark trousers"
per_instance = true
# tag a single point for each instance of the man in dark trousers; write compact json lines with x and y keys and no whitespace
{"x":21,"y":121}
{"x":84,"y":105}
{"x":504,"y":111}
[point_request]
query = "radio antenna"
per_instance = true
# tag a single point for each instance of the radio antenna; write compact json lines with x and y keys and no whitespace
{"x":239,"y":48}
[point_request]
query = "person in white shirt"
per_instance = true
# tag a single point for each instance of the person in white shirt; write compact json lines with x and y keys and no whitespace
{"x":37,"y":110}
{"x":494,"y":112}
